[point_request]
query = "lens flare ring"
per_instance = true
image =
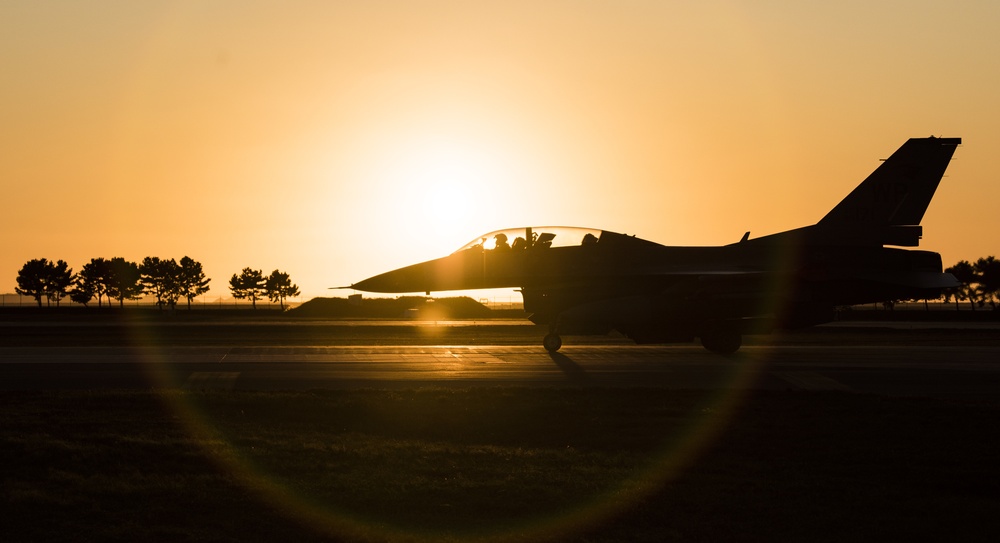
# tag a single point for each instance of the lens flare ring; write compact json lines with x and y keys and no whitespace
{"x":678,"y":453}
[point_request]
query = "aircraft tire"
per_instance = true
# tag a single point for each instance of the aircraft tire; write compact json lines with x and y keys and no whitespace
{"x":552,"y":342}
{"x":722,"y":342}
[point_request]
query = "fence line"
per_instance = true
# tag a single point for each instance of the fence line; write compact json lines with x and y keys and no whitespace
{"x":509,"y":302}
{"x":201,"y":302}
{"x":217,"y":302}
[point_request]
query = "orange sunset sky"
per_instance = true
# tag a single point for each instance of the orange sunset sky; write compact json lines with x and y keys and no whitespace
{"x":337,"y":140}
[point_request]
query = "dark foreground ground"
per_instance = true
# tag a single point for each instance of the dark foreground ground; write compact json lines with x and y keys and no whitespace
{"x":594,"y":465}
{"x":491,"y":462}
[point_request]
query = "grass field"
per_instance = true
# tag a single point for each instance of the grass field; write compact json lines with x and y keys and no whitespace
{"x":501,"y":464}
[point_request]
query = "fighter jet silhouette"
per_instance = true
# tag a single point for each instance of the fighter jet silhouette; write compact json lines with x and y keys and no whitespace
{"x":591,"y":281}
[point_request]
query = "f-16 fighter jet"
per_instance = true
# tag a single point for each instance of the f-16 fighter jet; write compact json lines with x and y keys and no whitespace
{"x":591,"y":281}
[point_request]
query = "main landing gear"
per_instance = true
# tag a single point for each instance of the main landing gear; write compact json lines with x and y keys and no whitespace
{"x":724,"y":341}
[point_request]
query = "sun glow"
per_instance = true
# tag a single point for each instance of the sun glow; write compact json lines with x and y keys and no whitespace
{"x":446,"y":182}
{"x":450,"y":179}
{"x":436,"y":192}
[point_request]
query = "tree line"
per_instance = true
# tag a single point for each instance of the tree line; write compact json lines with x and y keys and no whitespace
{"x":118,"y":279}
{"x":980,"y":282}
{"x":252,"y":284}
{"x":170,"y":281}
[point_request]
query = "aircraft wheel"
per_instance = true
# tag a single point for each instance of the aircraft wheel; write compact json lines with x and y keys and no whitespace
{"x":722,"y":342}
{"x":552,"y":342}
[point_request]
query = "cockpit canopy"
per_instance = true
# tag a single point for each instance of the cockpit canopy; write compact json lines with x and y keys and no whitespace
{"x":537,"y":236}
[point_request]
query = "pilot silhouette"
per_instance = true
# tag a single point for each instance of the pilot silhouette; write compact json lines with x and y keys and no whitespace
{"x":501,"y":241}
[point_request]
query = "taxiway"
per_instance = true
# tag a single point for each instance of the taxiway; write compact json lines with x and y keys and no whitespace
{"x":941,"y":370}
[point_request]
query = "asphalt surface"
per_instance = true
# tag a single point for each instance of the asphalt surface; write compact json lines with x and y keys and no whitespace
{"x":917,"y":363}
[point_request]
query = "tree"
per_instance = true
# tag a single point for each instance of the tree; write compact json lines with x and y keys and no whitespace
{"x":123,"y":280}
{"x":40,"y":277}
{"x":192,"y":279}
{"x":59,"y":278}
{"x":93,"y":279}
{"x":83,"y":292}
{"x":988,"y":275}
{"x":249,"y":284}
{"x":966,"y":273}
{"x":161,"y":278}
{"x":279,"y":286}
{"x":31,"y":279}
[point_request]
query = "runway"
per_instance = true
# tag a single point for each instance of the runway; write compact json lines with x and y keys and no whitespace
{"x":942,"y":370}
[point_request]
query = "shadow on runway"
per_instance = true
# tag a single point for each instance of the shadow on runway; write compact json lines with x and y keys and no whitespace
{"x":572,"y":370}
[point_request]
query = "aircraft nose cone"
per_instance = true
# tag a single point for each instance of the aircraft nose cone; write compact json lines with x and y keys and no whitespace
{"x":378,"y":283}
{"x":454,"y":272}
{"x":409,"y":279}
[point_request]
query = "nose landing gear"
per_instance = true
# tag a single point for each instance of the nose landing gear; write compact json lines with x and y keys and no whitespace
{"x":552,"y":342}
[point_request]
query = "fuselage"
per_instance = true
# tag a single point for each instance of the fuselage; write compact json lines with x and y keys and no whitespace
{"x":618,"y":281}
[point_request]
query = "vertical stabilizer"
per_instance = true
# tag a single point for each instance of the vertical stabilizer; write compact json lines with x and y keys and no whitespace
{"x":898,"y":192}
